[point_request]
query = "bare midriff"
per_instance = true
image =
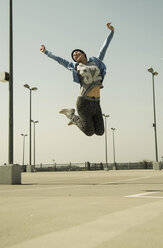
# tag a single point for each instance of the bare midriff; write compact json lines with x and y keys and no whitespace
{"x":95,"y":92}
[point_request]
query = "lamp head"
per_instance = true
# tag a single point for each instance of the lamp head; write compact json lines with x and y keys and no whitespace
{"x":150,"y":70}
{"x":155,"y":73}
{"x":34,"y":121}
{"x":27,"y":86}
{"x":4,"y":77}
{"x":105,"y":115}
{"x":34,"y":88}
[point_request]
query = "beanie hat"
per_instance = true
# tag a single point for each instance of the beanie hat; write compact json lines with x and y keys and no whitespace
{"x":79,"y":51}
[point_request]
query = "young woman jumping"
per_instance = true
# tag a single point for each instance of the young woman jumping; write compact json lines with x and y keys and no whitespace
{"x":89,"y":73}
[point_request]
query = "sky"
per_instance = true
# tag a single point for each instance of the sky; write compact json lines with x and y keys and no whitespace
{"x":127,"y":94}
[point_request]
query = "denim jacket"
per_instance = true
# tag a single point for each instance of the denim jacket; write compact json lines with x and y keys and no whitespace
{"x":98,"y":60}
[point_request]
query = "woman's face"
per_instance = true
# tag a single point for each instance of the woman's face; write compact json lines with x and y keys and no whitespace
{"x":79,"y":57}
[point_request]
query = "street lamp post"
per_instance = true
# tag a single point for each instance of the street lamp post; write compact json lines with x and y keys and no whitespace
{"x":11,"y":174}
{"x":154,"y":73}
{"x":24,"y":135}
{"x":106,"y":150}
{"x":113,"y":129}
{"x":9,"y":77}
{"x":11,"y":132}
{"x":34,"y":144}
{"x":30,"y":118}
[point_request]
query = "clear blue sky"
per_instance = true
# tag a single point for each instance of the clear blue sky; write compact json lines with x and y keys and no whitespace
{"x":127,"y":94}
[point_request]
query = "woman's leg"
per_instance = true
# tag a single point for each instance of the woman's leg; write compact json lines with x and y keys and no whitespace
{"x":98,"y":120}
{"x":84,"y":119}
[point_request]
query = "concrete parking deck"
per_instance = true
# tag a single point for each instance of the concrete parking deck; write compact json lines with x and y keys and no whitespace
{"x":112,"y":209}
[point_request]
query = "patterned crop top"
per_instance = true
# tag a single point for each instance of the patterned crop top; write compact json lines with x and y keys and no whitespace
{"x":90,"y":77}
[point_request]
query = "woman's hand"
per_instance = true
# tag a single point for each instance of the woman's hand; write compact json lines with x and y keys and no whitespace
{"x":42,"y":49}
{"x":109,"y":26}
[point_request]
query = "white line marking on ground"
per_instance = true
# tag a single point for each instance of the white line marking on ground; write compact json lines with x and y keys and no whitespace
{"x":145,"y":195}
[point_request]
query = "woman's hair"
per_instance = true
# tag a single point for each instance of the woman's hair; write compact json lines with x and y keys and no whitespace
{"x":79,"y":51}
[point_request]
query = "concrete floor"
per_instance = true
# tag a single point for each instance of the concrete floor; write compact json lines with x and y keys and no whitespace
{"x":113,"y":209}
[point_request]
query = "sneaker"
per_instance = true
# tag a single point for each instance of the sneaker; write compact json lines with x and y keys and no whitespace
{"x":68,"y":112}
{"x":71,"y":123}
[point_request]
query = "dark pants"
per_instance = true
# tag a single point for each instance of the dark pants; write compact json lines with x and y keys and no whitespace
{"x":89,"y":119}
